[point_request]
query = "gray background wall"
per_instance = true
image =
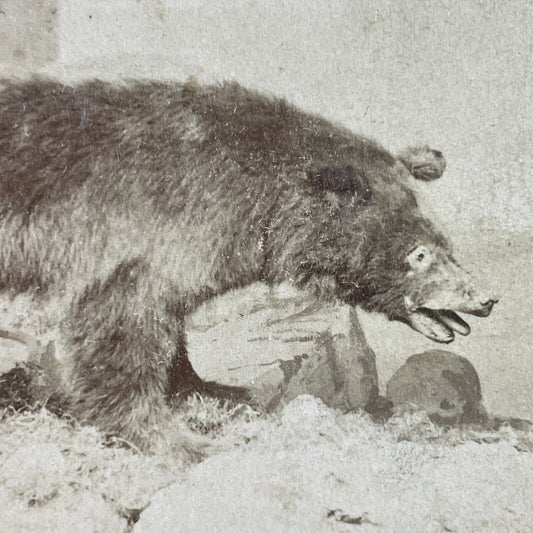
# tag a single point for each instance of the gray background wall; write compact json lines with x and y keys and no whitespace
{"x":456,"y":74}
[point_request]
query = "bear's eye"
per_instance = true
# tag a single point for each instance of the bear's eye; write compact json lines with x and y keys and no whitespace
{"x":419,"y":258}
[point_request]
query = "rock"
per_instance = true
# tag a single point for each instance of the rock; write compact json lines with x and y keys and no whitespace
{"x":446,"y":385}
{"x":34,"y":383}
{"x":280,"y":343}
{"x":332,"y":372}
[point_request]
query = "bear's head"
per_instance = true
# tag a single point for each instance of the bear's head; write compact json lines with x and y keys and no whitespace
{"x":370,"y":239}
{"x":411,"y":275}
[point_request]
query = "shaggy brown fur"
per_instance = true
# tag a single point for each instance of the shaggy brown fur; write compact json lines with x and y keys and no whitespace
{"x":137,"y":203}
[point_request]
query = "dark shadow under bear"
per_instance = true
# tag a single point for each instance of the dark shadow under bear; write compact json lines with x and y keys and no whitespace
{"x":134,"y":204}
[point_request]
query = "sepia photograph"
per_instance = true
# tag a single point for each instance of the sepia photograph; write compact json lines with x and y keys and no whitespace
{"x":266,"y":266}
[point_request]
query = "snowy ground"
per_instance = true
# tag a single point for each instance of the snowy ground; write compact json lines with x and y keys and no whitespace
{"x":308,"y":469}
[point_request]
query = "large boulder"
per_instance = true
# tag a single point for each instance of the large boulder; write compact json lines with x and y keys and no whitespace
{"x":446,"y":385}
{"x":279,"y":343}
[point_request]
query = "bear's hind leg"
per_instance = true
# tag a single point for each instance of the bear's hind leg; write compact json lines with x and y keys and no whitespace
{"x":121,"y":340}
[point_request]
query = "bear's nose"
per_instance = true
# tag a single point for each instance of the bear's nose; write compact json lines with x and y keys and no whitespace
{"x":490,"y":303}
{"x":485,"y":308}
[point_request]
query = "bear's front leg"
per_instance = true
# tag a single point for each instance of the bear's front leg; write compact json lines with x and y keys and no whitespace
{"x":120,"y":339}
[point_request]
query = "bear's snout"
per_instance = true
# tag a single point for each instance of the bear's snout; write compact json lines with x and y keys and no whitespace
{"x":485,"y":309}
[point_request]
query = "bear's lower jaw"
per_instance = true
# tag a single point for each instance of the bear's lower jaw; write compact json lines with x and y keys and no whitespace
{"x":439,"y":326}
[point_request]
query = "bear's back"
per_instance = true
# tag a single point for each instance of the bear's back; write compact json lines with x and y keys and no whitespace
{"x":54,"y":138}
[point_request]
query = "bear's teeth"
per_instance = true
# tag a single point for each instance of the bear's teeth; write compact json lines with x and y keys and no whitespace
{"x":453,"y":321}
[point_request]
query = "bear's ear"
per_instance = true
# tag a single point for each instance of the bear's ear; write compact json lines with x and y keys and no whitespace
{"x":423,"y":162}
{"x":341,"y":180}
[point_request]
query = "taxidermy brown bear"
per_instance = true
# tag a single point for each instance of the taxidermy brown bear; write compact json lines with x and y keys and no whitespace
{"x":133,"y":204}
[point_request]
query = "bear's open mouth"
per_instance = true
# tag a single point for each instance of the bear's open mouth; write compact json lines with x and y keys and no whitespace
{"x":440,"y":325}
{"x":437,"y":325}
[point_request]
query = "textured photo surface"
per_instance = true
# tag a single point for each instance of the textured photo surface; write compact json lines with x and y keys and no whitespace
{"x":208,"y":211}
